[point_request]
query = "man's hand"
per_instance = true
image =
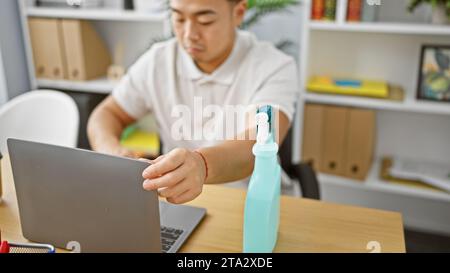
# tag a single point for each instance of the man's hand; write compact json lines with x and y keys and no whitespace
{"x":118,"y":150}
{"x":178,"y":176}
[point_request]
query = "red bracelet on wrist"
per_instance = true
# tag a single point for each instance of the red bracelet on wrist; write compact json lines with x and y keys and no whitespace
{"x":204,"y":161}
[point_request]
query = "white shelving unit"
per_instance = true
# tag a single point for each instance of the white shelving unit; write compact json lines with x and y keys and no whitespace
{"x":99,"y":86}
{"x":132,"y":28}
{"x":96,"y":14}
{"x":393,"y":28}
{"x":374,"y":183}
{"x":410,"y":128}
{"x":408,"y":105}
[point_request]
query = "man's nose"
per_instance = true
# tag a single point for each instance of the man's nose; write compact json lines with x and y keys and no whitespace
{"x":191,"y":32}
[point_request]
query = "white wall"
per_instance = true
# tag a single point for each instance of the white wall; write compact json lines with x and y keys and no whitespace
{"x":3,"y":90}
{"x":288,"y":21}
{"x":11,"y":42}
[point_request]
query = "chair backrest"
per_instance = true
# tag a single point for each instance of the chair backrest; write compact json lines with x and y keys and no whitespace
{"x":43,"y":116}
{"x":302,"y":172}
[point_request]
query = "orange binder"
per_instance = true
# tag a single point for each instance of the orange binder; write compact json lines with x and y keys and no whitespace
{"x":87,"y":56}
{"x":334,"y":140}
{"x":312,"y":134}
{"x":48,"y":48}
{"x":360,"y":143}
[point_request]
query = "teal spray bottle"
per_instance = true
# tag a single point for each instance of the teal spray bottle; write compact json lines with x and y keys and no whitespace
{"x":262,"y":204}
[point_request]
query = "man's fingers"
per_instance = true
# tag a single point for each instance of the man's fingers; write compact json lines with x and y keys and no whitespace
{"x":149,"y":161}
{"x":146,"y":160}
{"x":158,"y":159}
{"x":168,"y":163}
{"x":126,"y":153}
{"x":167,"y":180}
{"x":176,"y":190}
{"x":185,"y":197}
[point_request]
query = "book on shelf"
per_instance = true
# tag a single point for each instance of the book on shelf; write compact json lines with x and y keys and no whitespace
{"x":432,"y":173}
{"x":392,"y":166}
{"x":354,"y":10}
{"x":330,"y":10}
{"x":324,"y":10}
{"x":369,"y":12}
{"x":317,"y":9}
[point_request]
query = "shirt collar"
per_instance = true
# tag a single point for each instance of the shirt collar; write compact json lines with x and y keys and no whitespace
{"x":224,"y":74}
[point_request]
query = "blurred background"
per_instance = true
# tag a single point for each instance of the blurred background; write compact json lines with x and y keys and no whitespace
{"x":373,"y":116}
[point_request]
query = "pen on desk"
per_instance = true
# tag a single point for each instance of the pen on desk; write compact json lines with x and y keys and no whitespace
{"x":4,"y":246}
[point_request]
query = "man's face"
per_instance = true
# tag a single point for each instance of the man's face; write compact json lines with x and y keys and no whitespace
{"x":206,"y":28}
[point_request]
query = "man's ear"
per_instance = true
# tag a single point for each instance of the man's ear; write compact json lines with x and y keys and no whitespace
{"x":239,"y":12}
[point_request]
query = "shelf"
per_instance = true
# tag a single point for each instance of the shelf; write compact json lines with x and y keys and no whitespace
{"x":390,"y":28}
{"x":100,"y":86}
{"x":373,"y":182}
{"x":380,"y":104}
{"x":97,"y":14}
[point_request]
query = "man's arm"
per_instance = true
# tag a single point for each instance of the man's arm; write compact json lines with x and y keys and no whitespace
{"x":234,"y":160}
{"x":179,"y":176}
{"x":105,"y":127}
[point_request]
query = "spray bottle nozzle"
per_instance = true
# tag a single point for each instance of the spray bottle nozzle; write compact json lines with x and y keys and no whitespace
{"x":263,"y":125}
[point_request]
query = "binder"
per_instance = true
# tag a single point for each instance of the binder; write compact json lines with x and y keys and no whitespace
{"x":312,"y":134}
{"x":334,"y":140}
{"x":48,"y":48}
{"x":87,"y":56}
{"x":360,"y":143}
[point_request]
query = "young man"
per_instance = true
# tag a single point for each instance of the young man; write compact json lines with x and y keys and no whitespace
{"x":209,"y":60}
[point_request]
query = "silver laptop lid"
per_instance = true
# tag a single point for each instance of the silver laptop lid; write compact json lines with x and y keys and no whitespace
{"x":72,"y":195}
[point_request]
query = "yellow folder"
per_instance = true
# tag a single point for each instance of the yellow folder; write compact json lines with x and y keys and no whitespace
{"x":144,"y":143}
{"x":341,"y":86}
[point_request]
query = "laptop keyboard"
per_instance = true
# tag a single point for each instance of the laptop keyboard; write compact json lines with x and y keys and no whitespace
{"x":168,"y":237}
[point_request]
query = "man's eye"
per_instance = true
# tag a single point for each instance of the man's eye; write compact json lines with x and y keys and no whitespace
{"x":206,"y":23}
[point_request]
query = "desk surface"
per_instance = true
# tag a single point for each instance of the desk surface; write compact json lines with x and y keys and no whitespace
{"x":305,"y":225}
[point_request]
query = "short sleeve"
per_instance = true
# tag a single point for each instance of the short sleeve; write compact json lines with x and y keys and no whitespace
{"x":280,"y":89}
{"x":133,"y":91}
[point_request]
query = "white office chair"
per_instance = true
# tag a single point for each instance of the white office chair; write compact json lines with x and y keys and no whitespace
{"x":43,"y":116}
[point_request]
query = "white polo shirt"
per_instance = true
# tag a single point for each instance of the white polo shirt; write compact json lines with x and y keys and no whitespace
{"x":165,"y":77}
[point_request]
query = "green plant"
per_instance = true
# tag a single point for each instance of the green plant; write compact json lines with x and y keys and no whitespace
{"x":260,"y":8}
{"x":415,"y":3}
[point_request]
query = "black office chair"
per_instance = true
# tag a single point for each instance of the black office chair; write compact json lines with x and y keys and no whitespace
{"x":302,"y":172}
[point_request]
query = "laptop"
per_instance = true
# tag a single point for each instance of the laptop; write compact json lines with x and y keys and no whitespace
{"x":93,"y":201}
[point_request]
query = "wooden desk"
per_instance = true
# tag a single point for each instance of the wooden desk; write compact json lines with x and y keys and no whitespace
{"x":305,"y":226}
